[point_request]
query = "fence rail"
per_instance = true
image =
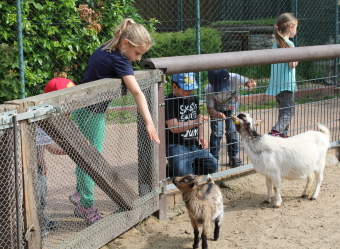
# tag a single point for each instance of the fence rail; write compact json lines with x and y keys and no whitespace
{"x":206,"y":62}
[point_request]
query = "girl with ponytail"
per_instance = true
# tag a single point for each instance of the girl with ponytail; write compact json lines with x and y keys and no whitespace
{"x":282,"y":82}
{"x":111,"y":60}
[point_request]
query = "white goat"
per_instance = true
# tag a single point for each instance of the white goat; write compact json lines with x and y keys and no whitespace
{"x":203,"y":206}
{"x":298,"y":157}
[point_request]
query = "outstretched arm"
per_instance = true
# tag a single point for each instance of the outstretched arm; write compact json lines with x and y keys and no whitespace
{"x":132,"y":85}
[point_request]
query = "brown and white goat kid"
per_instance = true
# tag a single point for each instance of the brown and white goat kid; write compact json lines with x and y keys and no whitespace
{"x":298,"y":157}
{"x":204,"y":206}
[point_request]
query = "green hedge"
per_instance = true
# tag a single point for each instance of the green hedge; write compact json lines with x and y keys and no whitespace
{"x":184,"y":43}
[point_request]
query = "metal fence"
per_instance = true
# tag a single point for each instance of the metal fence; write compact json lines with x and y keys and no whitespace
{"x":49,"y":42}
{"x":242,"y":26}
{"x":316,"y":101}
{"x":245,"y":24}
{"x":11,"y":210}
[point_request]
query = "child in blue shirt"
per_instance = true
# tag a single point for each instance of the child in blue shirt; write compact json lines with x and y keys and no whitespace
{"x":282,"y":82}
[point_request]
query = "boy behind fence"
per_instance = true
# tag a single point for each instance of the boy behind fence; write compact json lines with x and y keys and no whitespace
{"x":186,"y":146}
{"x":222,"y":100}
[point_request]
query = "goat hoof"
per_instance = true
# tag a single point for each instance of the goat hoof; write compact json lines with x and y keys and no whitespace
{"x":312,"y":199}
{"x":304,"y":196}
{"x":195,"y":246}
{"x":266,"y":202}
{"x":276,"y":205}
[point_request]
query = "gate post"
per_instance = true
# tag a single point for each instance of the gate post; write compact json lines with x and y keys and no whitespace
{"x":33,"y":241}
{"x":161,"y":214}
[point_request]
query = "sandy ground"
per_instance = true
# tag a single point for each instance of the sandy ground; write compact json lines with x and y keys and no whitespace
{"x":249,"y":223}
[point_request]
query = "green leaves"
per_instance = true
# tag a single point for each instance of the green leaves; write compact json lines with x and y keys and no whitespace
{"x":55,"y":40}
{"x":184,"y":43}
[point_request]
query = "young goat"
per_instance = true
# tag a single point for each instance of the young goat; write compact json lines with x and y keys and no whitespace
{"x":203,"y":206}
{"x":298,"y":157}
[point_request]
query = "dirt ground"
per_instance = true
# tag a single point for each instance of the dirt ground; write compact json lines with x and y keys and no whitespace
{"x":249,"y":223}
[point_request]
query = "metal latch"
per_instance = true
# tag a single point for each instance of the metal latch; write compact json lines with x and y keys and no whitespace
{"x":33,"y":114}
{"x":42,"y":111}
{"x":162,"y":188}
{"x":161,"y":80}
{"x":6,"y":119}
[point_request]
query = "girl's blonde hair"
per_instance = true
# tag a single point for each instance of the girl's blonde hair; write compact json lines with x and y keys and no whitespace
{"x":135,"y":33}
{"x":283,"y":23}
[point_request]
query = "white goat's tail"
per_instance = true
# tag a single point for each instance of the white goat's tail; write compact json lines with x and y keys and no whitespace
{"x":324,"y":130}
{"x":209,"y":178}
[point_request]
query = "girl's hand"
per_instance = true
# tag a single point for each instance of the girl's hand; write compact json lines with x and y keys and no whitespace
{"x":152,"y":132}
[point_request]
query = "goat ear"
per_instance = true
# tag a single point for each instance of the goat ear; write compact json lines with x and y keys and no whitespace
{"x":192,"y":185}
{"x":235,"y":119}
{"x":258,"y":122}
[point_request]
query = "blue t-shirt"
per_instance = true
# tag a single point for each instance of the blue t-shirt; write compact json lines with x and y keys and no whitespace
{"x":282,"y":77}
{"x":103,"y":64}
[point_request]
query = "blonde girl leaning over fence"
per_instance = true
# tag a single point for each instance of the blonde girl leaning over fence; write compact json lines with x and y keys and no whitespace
{"x":111,"y":60}
{"x":282,"y":82}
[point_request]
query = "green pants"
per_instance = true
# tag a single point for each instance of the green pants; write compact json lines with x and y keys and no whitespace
{"x":92,"y":125}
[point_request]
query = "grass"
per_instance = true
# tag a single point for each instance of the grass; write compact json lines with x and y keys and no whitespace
{"x":264,"y":21}
{"x":264,"y":105}
{"x":121,"y":117}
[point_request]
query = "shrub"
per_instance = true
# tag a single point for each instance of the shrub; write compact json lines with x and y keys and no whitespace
{"x":58,"y":36}
{"x":184,"y":43}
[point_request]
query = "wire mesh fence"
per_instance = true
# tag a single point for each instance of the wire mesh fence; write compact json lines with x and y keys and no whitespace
{"x":202,"y":27}
{"x":94,"y":175}
{"x":11,"y":211}
{"x":313,"y":102}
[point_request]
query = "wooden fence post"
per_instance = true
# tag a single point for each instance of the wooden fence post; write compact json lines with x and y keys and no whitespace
{"x":30,"y":205}
{"x":161,"y":214}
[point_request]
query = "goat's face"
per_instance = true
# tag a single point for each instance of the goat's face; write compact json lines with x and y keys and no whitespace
{"x":245,"y":124}
{"x":185,"y":183}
